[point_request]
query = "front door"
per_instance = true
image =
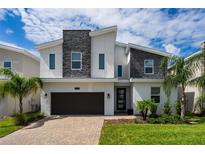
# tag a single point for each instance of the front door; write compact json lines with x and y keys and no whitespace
{"x":121,"y":98}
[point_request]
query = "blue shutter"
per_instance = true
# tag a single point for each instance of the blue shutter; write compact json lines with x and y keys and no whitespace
{"x":52,"y":61}
{"x":101,"y":61}
{"x":119,"y":69}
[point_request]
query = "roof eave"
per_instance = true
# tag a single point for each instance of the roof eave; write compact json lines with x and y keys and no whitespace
{"x":49,"y":44}
{"x":103,"y":31}
{"x":154,"y":51}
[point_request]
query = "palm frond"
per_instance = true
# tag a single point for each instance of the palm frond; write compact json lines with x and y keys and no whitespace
{"x":6,"y":72}
{"x":198,"y":81}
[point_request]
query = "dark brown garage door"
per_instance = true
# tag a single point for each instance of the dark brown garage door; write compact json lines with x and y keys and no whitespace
{"x":77,"y":103}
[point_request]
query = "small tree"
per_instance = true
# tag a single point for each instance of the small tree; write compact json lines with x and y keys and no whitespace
{"x":144,"y":107}
{"x":18,"y":86}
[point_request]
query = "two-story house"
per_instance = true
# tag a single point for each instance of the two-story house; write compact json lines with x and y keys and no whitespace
{"x":88,"y":72}
{"x":22,"y":62}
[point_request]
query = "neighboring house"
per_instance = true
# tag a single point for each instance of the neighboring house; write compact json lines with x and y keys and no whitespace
{"x":88,"y":72}
{"x":193,"y":91}
{"x":26,"y":64}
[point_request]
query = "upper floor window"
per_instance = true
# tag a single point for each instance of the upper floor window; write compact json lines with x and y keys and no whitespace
{"x":101,"y":61}
{"x":7,"y":64}
{"x":148,"y":66}
{"x":51,"y":61}
{"x":155,"y":94}
{"x":76,"y":60}
{"x":119,"y":70}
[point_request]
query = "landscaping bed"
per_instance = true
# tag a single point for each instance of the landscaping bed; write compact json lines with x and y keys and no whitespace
{"x":11,"y":123}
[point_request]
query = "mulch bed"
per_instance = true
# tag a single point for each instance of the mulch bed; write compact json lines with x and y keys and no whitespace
{"x":124,"y":121}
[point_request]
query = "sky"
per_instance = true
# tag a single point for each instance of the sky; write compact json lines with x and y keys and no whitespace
{"x":177,"y":31}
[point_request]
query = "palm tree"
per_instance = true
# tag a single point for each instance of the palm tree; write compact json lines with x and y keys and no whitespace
{"x":18,"y":86}
{"x":179,"y":75}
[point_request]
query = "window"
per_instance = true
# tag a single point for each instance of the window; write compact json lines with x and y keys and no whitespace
{"x":155,"y":94}
{"x":76,"y":60}
{"x":51,"y":61}
{"x":119,"y":70}
{"x":148,"y":66}
{"x":7,"y":64}
{"x":101,"y":61}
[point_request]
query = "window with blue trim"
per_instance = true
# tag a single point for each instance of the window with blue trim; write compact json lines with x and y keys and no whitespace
{"x":52,"y":61}
{"x":101,"y":61}
{"x":119,"y":70}
{"x":7,"y":64}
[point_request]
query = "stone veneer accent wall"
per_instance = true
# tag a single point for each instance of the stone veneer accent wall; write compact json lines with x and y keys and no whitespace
{"x":137,"y":58}
{"x":76,"y":40}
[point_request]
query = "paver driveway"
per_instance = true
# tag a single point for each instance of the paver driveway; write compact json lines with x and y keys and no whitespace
{"x":59,"y":130}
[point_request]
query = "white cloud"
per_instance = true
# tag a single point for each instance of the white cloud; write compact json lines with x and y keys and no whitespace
{"x":138,"y":26}
{"x":2,"y":14}
{"x":36,"y":53}
{"x":172,"y":49}
{"x":9,"y":31}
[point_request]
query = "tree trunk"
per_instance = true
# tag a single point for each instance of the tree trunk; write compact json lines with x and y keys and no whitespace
{"x":183,"y":100}
{"x":20,"y":105}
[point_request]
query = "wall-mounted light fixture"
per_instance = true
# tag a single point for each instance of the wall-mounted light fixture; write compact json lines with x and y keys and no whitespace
{"x":108,"y":95}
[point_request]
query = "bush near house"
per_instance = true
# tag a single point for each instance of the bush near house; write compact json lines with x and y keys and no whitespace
{"x":146,"y":106}
{"x":11,"y":124}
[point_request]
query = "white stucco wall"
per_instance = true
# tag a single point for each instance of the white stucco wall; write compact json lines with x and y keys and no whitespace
{"x":45,"y":72}
{"x":103,"y":44}
{"x":142,"y":91}
{"x":25,"y":66}
{"x":121,"y":59}
{"x":10,"y":105}
{"x":21,"y":63}
{"x":84,"y":87}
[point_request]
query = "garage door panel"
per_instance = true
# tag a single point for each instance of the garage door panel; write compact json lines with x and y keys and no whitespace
{"x":77,"y":103}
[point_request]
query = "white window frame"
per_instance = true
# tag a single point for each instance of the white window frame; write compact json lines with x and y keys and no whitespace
{"x":49,"y":61}
{"x":8,"y":61}
{"x":156,"y":94}
{"x":76,"y":60}
{"x":149,"y":66}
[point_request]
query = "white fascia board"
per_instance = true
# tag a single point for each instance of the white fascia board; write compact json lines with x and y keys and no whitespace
{"x":194,"y":54}
{"x":49,"y":44}
{"x":89,"y":80}
{"x":103,"y":31}
{"x":19,"y":50}
{"x":146,"y":80}
{"x":121,"y":44}
{"x":150,"y":50}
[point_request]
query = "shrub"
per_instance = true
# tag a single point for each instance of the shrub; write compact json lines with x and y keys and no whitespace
{"x":25,"y":118}
{"x":20,"y":119}
{"x":29,"y":117}
{"x":178,"y":107}
{"x":167,"y":107}
{"x":166,"y":119}
{"x":153,"y":110}
{"x":145,"y":106}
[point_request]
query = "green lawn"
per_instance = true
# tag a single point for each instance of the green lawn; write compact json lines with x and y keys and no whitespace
{"x":8,"y":125}
{"x":152,"y":134}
